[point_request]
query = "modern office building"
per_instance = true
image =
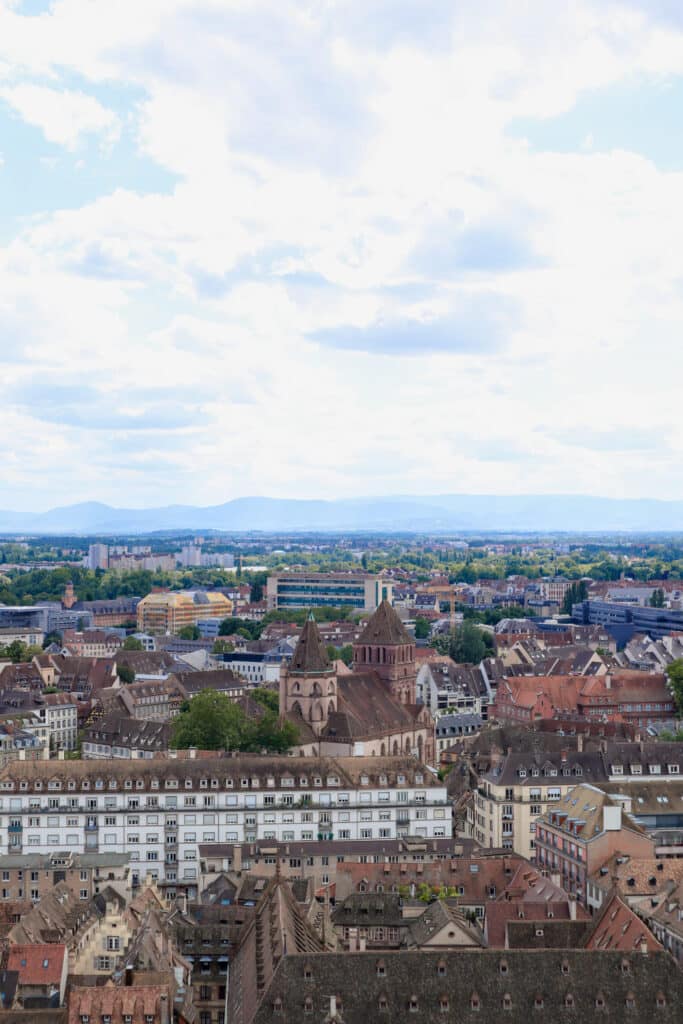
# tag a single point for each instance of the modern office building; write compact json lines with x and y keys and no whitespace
{"x":168,"y":612}
{"x":625,"y":620}
{"x":359,"y":591}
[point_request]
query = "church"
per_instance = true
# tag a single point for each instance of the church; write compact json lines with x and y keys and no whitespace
{"x":368,"y":710}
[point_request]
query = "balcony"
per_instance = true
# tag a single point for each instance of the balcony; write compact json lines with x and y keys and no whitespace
{"x":91,"y":826}
{"x":15,"y":826}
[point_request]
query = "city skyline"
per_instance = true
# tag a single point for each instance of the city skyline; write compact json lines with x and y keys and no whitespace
{"x":329,"y":251}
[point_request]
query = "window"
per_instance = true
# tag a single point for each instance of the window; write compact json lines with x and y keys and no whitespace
{"x":413,"y":1004}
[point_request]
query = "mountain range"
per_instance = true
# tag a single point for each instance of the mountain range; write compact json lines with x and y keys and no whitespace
{"x":439,"y":512}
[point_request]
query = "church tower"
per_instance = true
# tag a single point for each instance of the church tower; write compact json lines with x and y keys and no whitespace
{"x":309,"y":686}
{"x":385,"y":647}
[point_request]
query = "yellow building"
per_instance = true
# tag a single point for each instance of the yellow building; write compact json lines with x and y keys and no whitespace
{"x":168,"y":612}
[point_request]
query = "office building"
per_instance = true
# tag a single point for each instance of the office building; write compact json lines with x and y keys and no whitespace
{"x":359,"y":591}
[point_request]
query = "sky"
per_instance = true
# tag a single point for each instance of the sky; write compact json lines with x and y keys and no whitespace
{"x":333,"y":248}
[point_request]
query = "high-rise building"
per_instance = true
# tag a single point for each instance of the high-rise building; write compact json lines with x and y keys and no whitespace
{"x":357,"y":590}
{"x":98,"y":556}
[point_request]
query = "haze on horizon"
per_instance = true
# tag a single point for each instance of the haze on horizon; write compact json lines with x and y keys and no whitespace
{"x":263,"y":247}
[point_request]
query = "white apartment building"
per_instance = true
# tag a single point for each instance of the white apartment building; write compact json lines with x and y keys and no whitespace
{"x":160,"y":811}
{"x":60,"y":715}
{"x":252,"y":667}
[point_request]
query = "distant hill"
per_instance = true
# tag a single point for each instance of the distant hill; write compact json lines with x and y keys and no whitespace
{"x":454,"y":512}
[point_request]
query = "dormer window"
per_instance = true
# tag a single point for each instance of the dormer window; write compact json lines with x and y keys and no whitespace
{"x":443,"y":1004}
{"x":565,"y":967}
{"x":507,"y":1001}
{"x":383,"y":1003}
{"x":673,"y":769}
{"x":599,"y":1001}
{"x":503,"y":966}
{"x":522,"y":773}
{"x":401,"y":780}
{"x":413,"y":1004}
{"x":538,"y":1002}
{"x":441,"y":968}
{"x":381,"y":969}
{"x":419,"y":779}
{"x":204,"y":783}
{"x":188,"y":783}
{"x":475,"y":1002}
{"x":569,"y":1001}
{"x":308,"y":1005}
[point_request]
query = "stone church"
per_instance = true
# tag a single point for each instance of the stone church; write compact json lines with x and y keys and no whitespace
{"x":368,"y":710}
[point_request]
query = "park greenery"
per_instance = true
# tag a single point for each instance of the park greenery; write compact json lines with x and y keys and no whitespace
{"x":18,"y":651}
{"x":465,"y":644}
{"x":211,"y":721}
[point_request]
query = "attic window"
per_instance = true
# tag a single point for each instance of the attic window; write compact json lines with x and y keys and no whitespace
{"x":625,"y":967}
{"x":383,"y":1003}
{"x":599,"y":1001}
{"x":128,"y":784}
{"x":507,"y":1001}
{"x":412,"y":1004}
{"x":364,"y":780}
{"x":630,"y":1001}
{"x":569,"y":1001}
{"x":204,"y":783}
{"x":308,"y":1005}
{"x":308,"y":973}
{"x":188,"y":783}
{"x":277,"y":1005}
{"x":85,"y":784}
{"x":538,"y":1002}
{"x":24,"y":784}
{"x":661,"y":1000}
{"x":400,"y":779}
{"x":565,"y":967}
{"x":503,"y":966}
{"x":381,"y":969}
{"x":154,"y":784}
{"x":71,"y":784}
{"x":441,"y":968}
{"x":443,"y":1004}
{"x":475,"y":1002}
{"x":419,"y":779}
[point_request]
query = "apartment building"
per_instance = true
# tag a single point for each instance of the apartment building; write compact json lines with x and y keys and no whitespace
{"x":160,"y":811}
{"x":29,"y":636}
{"x":582,"y":832}
{"x":59,"y":712}
{"x":30,"y":876}
{"x":512,"y":795}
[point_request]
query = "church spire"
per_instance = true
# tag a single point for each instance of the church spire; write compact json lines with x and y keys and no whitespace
{"x":310,"y":654}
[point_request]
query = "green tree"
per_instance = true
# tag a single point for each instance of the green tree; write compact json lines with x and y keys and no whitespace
{"x":574,"y":594}
{"x":675,"y":676}
{"x":222,"y":647}
{"x":269,"y":699}
{"x":275,"y":736}
{"x":422,"y":629}
{"x":210,"y":721}
{"x":466,"y":644}
{"x":53,"y":637}
{"x":256,"y":593}
{"x":657,"y":598}
{"x":125,"y":673}
{"x":189,"y":632}
{"x":131,"y":643}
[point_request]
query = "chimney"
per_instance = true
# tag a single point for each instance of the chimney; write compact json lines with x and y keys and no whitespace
{"x":579,"y":743}
{"x":563,"y":755}
{"x":237,"y":857}
{"x":333,"y":1007}
{"x":163,"y":1008}
{"x":643,"y":946}
{"x":608,"y":682}
{"x":572,"y":907}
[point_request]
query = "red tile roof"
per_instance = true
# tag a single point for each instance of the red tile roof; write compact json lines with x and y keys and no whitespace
{"x":39,"y":964}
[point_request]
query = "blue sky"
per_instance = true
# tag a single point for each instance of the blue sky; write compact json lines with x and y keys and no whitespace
{"x":400,"y":246}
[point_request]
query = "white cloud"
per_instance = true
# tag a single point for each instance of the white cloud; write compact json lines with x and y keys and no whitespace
{"x":337,"y":169}
{"x":62,"y":115}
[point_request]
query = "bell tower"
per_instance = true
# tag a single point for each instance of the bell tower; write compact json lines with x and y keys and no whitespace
{"x":385,"y":647}
{"x":309,"y":686}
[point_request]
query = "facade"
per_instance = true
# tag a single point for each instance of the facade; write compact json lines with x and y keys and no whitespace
{"x":60,"y":714}
{"x":581,"y":833}
{"x":24,"y":635}
{"x":386,"y":648}
{"x":98,"y":556}
{"x":169,"y":612}
{"x":121,"y":737}
{"x":514,"y":793}
{"x":359,"y":591}
{"x":160,"y":811}
{"x":256,"y":668}
{"x":31,"y":876}
{"x":628,"y":619}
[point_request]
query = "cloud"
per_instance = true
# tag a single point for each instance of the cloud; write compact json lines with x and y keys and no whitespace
{"x":492,"y":245}
{"x":62,"y":115}
{"x":615,"y":439}
{"x":481,"y":325}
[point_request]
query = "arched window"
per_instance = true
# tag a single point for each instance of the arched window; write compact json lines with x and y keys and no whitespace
{"x":413,"y":1004}
{"x":569,"y":1001}
{"x":599,"y":1001}
{"x":277,"y":1005}
{"x":443,"y":1004}
{"x":475,"y":1002}
{"x":630,"y":1001}
{"x":507,"y":1001}
{"x":538,"y":1001}
{"x":383,"y":1002}
{"x":308,"y":1005}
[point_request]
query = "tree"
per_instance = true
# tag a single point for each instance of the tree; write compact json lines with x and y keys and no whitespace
{"x":210,"y":722}
{"x":675,"y":676}
{"x":53,"y":637}
{"x":189,"y":632}
{"x":125,"y":673}
{"x":574,"y":594}
{"x":256,"y":593}
{"x":222,"y":647}
{"x":657,"y":598}
{"x":269,"y":699}
{"x":131,"y":643}
{"x":422,"y":629}
{"x":465,"y":643}
{"x":344,"y":653}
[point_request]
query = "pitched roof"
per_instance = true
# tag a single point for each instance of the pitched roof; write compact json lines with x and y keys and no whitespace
{"x":385,"y":627}
{"x":39,"y":964}
{"x":310,"y":654}
{"x":618,"y":927}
